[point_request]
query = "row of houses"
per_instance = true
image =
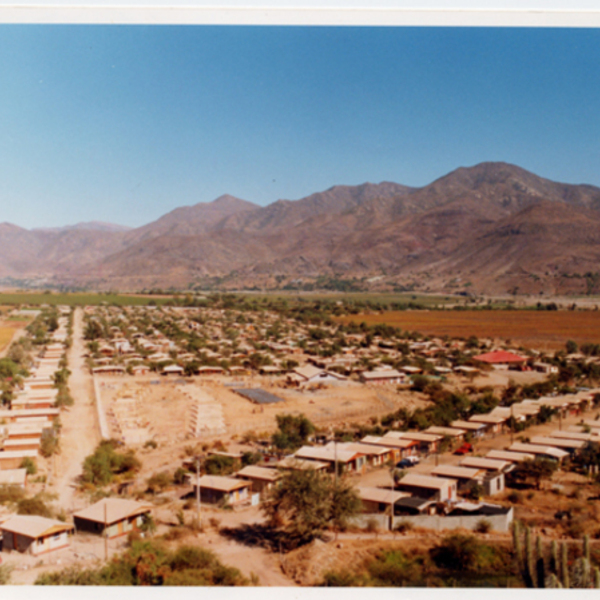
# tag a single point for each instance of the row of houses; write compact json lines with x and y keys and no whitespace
{"x":33,"y":409}
{"x":110,"y":517}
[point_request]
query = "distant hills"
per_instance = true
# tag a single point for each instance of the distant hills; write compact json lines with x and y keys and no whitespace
{"x":492,"y":228}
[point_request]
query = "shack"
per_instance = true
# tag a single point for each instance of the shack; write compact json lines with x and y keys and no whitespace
{"x":116,"y":516}
{"x":34,"y":535}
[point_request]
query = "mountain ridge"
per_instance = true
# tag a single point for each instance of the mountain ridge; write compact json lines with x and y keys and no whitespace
{"x":538,"y":236}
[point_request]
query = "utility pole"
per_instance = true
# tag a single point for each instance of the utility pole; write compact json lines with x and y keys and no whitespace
{"x":198,"y":505}
{"x":105,"y":533}
{"x":512,"y":424}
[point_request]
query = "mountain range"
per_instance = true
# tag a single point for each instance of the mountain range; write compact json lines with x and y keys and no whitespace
{"x":491,"y":228}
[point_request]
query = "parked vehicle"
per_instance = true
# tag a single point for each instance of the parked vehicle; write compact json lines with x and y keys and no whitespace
{"x":464,"y":449}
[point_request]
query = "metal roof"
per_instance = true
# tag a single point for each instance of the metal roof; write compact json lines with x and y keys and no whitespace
{"x":33,"y":526}
{"x":117,"y":509}
{"x":258,"y":395}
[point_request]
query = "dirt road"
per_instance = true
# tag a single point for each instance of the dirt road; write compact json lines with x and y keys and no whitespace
{"x":80,"y":433}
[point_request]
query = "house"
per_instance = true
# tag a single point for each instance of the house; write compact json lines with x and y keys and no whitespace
{"x":415,"y":505}
{"x":477,"y":430}
{"x":109,"y":370}
{"x":570,"y":445}
{"x":512,"y":457}
{"x":347,"y":460}
{"x":494,"y":423}
{"x":429,"y":487}
{"x":261,"y":478}
{"x":14,"y":458}
{"x":427,"y":443}
{"x":294,"y":463}
{"x":465,"y":478}
{"x":375,"y":455}
{"x":14,"y":477}
{"x":116,"y":516}
{"x":379,"y":500}
{"x":172,"y":370}
{"x":456,"y":435}
{"x":216,"y":489}
{"x":540,"y":451}
{"x":401,"y":447}
{"x":310,"y":374}
{"x":34,"y":535}
{"x":487,"y":464}
{"x":501,"y":359}
{"x":140,"y":370}
{"x":542,"y":367}
{"x":382,"y":376}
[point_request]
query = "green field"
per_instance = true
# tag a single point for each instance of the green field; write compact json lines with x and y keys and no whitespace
{"x":428,"y":300}
{"x":54,"y":299}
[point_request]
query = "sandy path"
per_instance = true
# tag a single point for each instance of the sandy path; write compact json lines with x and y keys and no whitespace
{"x":80,"y":433}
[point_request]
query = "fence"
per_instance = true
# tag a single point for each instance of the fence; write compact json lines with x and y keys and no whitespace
{"x":499,"y":522}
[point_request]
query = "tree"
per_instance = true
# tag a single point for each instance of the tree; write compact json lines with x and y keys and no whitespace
{"x":571,"y":347}
{"x":304,"y":503}
{"x":293,"y":432}
{"x":533,"y":471}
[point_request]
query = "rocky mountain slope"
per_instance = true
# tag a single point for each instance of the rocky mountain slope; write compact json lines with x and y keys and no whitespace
{"x":489,"y":228}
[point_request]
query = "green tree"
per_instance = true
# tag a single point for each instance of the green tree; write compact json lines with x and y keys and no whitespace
{"x":293,"y":432}
{"x":305,"y":503}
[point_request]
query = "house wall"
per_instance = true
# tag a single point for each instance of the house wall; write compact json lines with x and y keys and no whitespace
{"x":494,"y":485}
{"x":114,"y":530}
{"x":21,"y":543}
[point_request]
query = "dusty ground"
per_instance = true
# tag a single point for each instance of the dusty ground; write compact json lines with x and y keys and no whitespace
{"x":80,"y":433}
{"x":166,"y":405}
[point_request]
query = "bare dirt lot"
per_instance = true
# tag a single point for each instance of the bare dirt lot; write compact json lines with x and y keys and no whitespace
{"x":543,"y":330}
{"x":166,"y":408}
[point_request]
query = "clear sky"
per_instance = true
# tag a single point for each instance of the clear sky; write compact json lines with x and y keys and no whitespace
{"x":124,"y":123}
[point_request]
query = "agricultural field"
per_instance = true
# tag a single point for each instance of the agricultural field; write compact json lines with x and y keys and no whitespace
{"x":543,"y":330}
{"x":6,"y":336}
{"x":75,"y":299}
{"x":428,"y":300}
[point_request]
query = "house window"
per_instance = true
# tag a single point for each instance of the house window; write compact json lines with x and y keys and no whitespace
{"x":56,"y":537}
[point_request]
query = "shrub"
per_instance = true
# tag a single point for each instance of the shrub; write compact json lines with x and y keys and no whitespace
{"x":29,"y":465}
{"x":158,"y":482}
{"x":179,"y":477}
{"x":404,"y":526}
{"x":456,"y":552}
{"x":33,"y":506}
{"x":5,"y":571}
{"x":483,"y":526}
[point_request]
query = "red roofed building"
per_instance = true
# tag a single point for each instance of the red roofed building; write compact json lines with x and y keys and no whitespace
{"x":501,"y":358}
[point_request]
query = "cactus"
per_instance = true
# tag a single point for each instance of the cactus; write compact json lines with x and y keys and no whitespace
{"x":529,"y":569}
{"x":540,"y":565}
{"x":564,"y":566}
{"x":552,"y":581}
{"x":586,"y":547}
{"x":554,"y":560}
{"x":596,"y":577}
{"x":518,"y":549}
{"x":580,"y":573}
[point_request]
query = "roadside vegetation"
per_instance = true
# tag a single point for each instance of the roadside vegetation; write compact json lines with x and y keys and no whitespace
{"x":152,"y":563}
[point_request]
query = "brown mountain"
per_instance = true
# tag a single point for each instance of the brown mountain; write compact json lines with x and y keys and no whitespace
{"x":493,"y":227}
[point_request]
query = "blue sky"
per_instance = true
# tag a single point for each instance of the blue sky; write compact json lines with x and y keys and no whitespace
{"x":124,"y":123}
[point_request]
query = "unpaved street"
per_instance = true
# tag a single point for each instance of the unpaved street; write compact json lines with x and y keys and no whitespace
{"x":80,"y":433}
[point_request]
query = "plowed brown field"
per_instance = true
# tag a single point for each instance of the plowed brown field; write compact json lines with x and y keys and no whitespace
{"x":544,"y":330}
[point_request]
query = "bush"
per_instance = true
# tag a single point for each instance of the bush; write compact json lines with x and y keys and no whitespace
{"x":29,"y":465}
{"x":33,"y":506}
{"x":11,"y":493}
{"x":158,"y":482}
{"x":456,"y":552}
{"x":483,"y":526}
{"x":5,"y":571}
{"x":404,"y":526}
{"x":395,"y":569}
{"x":515,"y":497}
{"x":179,"y":477}
{"x":101,"y":467}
